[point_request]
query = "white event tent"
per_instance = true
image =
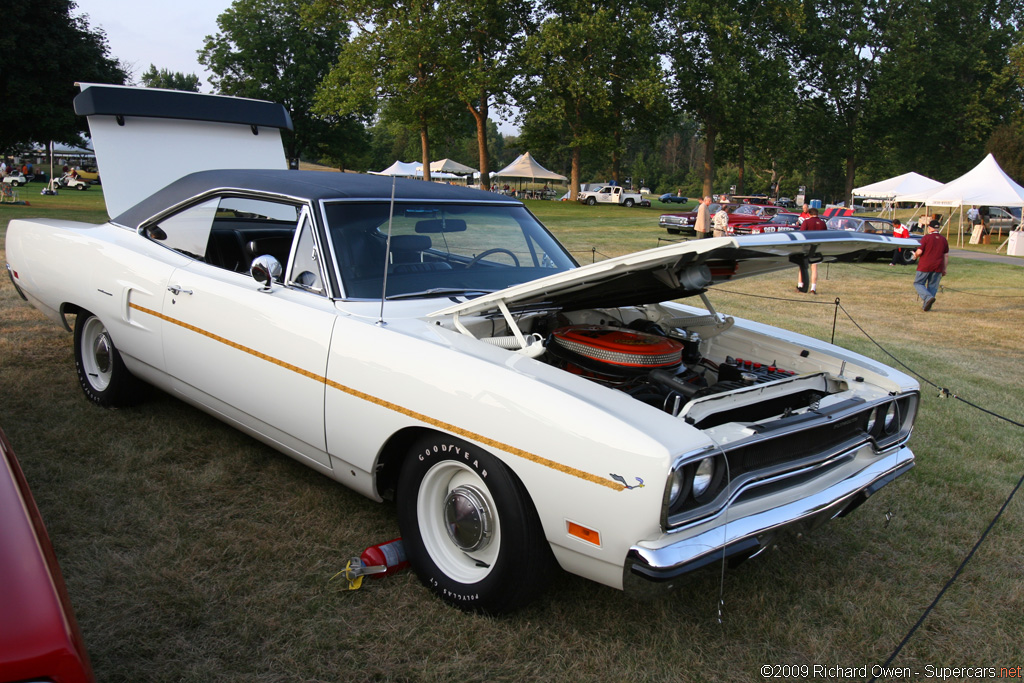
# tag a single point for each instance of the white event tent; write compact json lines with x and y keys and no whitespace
{"x":452,"y":167}
{"x":984,"y":185}
{"x":402,"y":169}
{"x":526,"y":167}
{"x":890,"y":188}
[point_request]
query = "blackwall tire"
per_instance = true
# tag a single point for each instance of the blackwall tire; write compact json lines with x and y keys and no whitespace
{"x":591,"y":201}
{"x":493,"y":558}
{"x":101,"y":371}
{"x":906,"y":256}
{"x":628,"y":203}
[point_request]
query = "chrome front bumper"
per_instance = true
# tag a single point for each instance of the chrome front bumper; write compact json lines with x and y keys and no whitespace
{"x":658,"y":566}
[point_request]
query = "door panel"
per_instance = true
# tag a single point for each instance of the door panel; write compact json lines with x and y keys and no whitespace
{"x":258,"y":357}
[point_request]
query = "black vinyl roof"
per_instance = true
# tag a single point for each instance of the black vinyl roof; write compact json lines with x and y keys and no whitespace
{"x":311,"y":185}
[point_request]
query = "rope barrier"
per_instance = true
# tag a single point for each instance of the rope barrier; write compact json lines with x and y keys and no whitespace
{"x":943,"y":392}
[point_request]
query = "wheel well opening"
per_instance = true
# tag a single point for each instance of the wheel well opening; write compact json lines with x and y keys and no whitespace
{"x":392,"y":454}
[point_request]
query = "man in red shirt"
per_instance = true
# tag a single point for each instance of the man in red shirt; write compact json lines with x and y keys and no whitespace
{"x":932,"y":258}
{"x":812,"y":222}
{"x":898,"y":230}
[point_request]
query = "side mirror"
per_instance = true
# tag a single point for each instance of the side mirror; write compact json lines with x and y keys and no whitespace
{"x":265,"y":270}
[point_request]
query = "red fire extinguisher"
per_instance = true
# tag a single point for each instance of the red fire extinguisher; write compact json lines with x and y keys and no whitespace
{"x":376,"y":561}
{"x":384,"y":559}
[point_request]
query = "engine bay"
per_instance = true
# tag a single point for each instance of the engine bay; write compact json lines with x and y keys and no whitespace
{"x":670,"y":362}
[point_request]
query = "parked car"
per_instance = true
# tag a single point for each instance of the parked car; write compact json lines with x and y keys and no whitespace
{"x":780,"y":222}
{"x":747,"y":214}
{"x":680,"y":223}
{"x":39,"y":637}
{"x":999,"y":219}
{"x":436,"y":346}
{"x":785,"y":203}
{"x":874,"y":226}
{"x":669,"y":198}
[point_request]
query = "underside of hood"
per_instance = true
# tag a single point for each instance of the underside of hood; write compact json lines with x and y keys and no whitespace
{"x":678,"y":270}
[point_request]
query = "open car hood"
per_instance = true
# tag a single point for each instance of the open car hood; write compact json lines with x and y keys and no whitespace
{"x":678,"y":270}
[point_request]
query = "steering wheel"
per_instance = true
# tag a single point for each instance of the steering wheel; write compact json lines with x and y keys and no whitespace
{"x":476,"y":259}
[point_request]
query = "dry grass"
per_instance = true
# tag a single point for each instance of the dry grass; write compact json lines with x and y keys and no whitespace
{"x":193,"y":553}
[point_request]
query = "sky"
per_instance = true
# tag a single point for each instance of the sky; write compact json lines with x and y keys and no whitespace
{"x":165,"y":33}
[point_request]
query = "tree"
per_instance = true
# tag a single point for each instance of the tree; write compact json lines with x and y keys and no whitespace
{"x":266,"y":49}
{"x":170,"y":80}
{"x":484,"y":63}
{"x":395,"y":61}
{"x":47,"y":49}
{"x":720,"y":54}
{"x":591,"y":69}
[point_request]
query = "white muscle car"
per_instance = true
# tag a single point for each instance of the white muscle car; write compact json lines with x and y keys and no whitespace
{"x":437,"y":346}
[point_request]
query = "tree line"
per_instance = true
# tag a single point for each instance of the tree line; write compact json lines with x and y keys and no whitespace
{"x":692,"y":96}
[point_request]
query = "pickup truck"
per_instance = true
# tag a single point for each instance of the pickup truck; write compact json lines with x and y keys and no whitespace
{"x":612,"y":194}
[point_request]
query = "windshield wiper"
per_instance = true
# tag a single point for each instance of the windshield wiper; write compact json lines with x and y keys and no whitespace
{"x":439,"y":291}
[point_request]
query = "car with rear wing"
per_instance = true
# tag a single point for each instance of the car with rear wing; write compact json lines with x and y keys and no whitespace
{"x":437,"y":347}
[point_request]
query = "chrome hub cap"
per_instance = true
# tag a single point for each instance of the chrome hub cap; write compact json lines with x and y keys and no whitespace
{"x":467,"y":518}
{"x":101,"y":352}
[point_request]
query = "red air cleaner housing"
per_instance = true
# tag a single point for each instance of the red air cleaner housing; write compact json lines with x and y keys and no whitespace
{"x":614,"y":351}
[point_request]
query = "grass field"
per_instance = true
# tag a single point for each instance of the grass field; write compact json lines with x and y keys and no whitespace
{"x":193,"y":553}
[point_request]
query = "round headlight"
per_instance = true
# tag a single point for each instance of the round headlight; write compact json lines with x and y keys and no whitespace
{"x":891,"y":422}
{"x":703,"y":477}
{"x":872,"y":421}
{"x":677,"y":485}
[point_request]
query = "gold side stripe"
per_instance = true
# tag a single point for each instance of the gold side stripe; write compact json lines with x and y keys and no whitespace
{"x":526,"y":455}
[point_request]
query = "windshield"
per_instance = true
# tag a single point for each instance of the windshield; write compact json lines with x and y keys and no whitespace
{"x":439,"y":250}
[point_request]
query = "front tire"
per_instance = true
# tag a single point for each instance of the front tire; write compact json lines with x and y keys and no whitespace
{"x":101,"y":371}
{"x":591,"y":201}
{"x":470,"y":530}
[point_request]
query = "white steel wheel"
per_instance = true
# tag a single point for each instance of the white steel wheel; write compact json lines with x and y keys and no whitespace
{"x":459,"y":521}
{"x":101,"y":372}
{"x":470,"y":531}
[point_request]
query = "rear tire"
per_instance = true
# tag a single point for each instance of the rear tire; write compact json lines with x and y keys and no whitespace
{"x":101,"y":372}
{"x":470,"y":530}
{"x":628,"y":203}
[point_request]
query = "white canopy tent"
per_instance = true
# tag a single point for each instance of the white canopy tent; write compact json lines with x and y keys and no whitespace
{"x":984,"y":185}
{"x":402,"y":169}
{"x":888,"y":189}
{"x":885,"y":191}
{"x":526,"y":167}
{"x":449,"y":166}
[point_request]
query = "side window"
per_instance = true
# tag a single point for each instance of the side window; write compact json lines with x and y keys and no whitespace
{"x":230,"y":232}
{"x":187,"y":232}
{"x":305,"y":269}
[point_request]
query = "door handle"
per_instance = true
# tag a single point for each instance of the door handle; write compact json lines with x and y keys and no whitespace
{"x":176,"y":289}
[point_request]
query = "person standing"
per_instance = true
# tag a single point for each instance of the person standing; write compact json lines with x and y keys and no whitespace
{"x":805,"y":214}
{"x":812,"y":222}
{"x":702,"y":226}
{"x":900,"y":231}
{"x":932,"y":259}
{"x":721,"y":221}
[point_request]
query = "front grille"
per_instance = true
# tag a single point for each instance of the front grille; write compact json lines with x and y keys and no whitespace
{"x":795,"y":447}
{"x":789,"y":451}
